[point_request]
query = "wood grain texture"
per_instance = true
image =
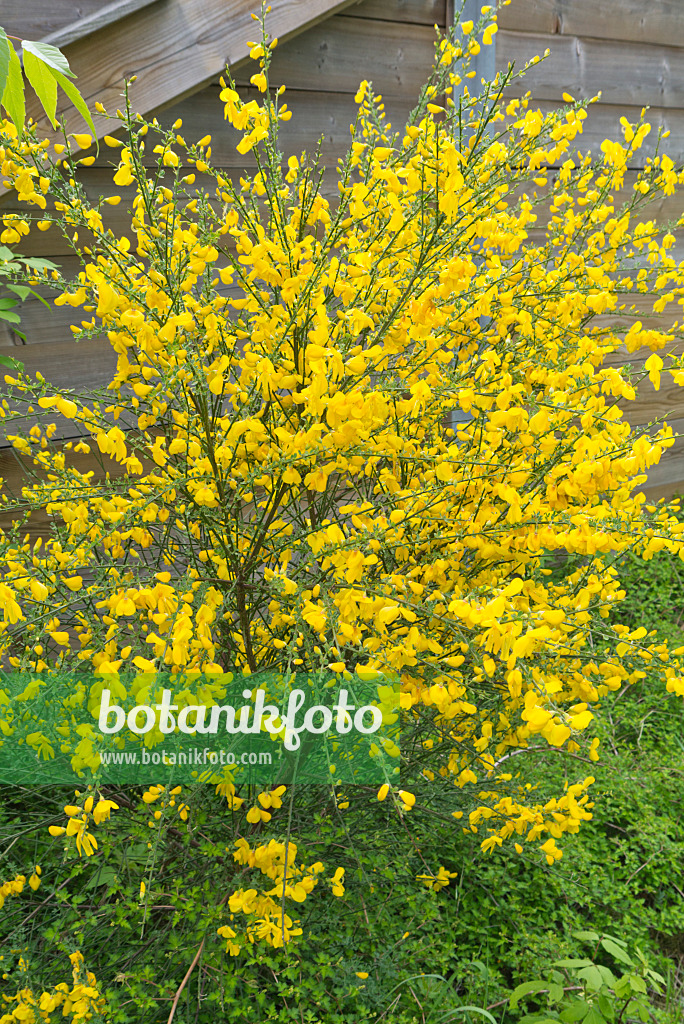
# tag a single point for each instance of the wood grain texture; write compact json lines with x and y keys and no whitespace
{"x":647,"y":21}
{"x":334,"y":56}
{"x":530,"y":16}
{"x":98,"y":19}
{"x":416,"y":12}
{"x":16,"y":471}
{"x":35,"y":19}
{"x":625,"y":73}
{"x":174,"y":47}
{"x":71,"y":367}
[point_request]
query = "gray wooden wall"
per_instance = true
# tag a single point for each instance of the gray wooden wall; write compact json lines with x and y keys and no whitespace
{"x":630,"y":50}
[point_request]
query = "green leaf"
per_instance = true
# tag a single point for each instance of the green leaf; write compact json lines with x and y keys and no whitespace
{"x":106,"y":876}
{"x":4,"y":59}
{"x":571,"y":964}
{"x":8,"y":303}
{"x":606,"y":1006}
{"x":38,"y":263}
{"x":13,"y":94}
{"x":467,"y":1009}
{"x":43,"y":83}
{"x":22,"y":290}
{"x":576,"y":1011}
{"x":594,"y":1016}
{"x":636,"y":983}
{"x":11,"y":318}
{"x":527,"y":988}
{"x":592,"y":976}
{"x":586,"y":936}
{"x":49,"y":55}
{"x":617,"y":951}
{"x":13,"y":364}
{"x":77,"y":100}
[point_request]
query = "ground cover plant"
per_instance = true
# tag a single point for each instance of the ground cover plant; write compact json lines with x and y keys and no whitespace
{"x":302,"y":493}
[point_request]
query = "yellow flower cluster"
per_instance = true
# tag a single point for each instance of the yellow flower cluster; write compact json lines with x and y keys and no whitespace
{"x":167,"y":798}
{"x":264,"y":910}
{"x":79,"y":1002}
{"x":352,"y":433}
{"x":80,"y":816}
{"x":16,"y":885}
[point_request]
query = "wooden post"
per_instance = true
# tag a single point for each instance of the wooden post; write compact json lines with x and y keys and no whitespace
{"x":484,"y":66}
{"x":484,"y":62}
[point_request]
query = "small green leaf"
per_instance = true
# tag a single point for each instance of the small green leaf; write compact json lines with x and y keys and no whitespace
{"x":13,"y":94}
{"x":570,"y":964}
{"x":77,"y":100}
{"x":22,"y":290}
{"x":607,"y":975}
{"x":527,"y":988}
{"x":48,"y":55}
{"x":467,"y":1009}
{"x":13,"y":364}
{"x":594,"y":1016}
{"x":606,"y":1006}
{"x":4,"y":59}
{"x":586,"y":936}
{"x":617,"y":951}
{"x":43,"y":83}
{"x":8,"y":303}
{"x":11,"y":318}
{"x":577,"y":1010}
{"x":636,"y":983}
{"x":37,"y":263}
{"x":592,"y":976}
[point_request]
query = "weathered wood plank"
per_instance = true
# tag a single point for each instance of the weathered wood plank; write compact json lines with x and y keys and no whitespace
{"x":667,"y":478}
{"x":584,"y":67}
{"x":334,"y":56}
{"x":16,"y":472}
{"x":71,"y":365}
{"x":649,"y":405}
{"x":35,"y":19}
{"x":98,"y":19}
{"x":174,"y":48}
{"x":647,"y":21}
{"x":530,"y":16}
{"x":416,"y":12}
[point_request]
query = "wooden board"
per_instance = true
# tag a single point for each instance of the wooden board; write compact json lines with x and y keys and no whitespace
{"x":35,"y":19}
{"x":584,"y":67}
{"x":174,"y":48}
{"x":334,"y":56}
{"x":16,"y":471}
{"x":71,"y":367}
{"x":417,"y":12}
{"x":647,"y":21}
{"x":103,"y":16}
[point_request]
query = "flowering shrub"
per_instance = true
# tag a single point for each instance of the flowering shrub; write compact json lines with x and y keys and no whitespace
{"x":351,"y":434}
